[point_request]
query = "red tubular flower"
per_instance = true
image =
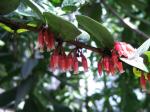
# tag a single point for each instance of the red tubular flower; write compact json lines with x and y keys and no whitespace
{"x":143,"y":82}
{"x":84,"y":63}
{"x":105,"y":62}
{"x":54,"y":61}
{"x":100,"y":68}
{"x":62,"y":63}
{"x":56,"y":58}
{"x":69,"y":62}
{"x":111,"y":67}
{"x":75,"y":65}
{"x":52,"y":64}
{"x":49,"y":39}
{"x":40,"y":42}
{"x":120,"y":67}
{"x":51,"y":42}
{"x":114,"y":57}
{"x":46,"y":38}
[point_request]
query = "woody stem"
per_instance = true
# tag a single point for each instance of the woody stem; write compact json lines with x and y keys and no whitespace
{"x":20,"y":25}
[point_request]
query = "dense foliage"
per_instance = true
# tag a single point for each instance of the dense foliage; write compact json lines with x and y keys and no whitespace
{"x":89,"y":30}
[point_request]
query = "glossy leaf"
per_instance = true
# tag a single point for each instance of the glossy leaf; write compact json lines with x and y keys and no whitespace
{"x":62,"y":26}
{"x":97,"y":30}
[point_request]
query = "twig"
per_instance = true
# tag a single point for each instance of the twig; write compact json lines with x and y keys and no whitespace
{"x":139,"y":32}
{"x":18,"y":25}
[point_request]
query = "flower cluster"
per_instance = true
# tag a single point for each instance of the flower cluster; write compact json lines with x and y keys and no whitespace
{"x":62,"y":62}
{"x":111,"y":63}
{"x":59,"y":60}
{"x":45,"y":39}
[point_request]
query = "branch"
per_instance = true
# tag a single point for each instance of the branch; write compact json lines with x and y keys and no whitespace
{"x":18,"y":25}
{"x":139,"y":32}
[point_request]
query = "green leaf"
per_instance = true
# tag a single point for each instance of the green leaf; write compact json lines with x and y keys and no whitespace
{"x":97,"y":30}
{"x":7,"y":97}
{"x":93,"y":10}
{"x":35,"y":7}
{"x":56,"y":1}
{"x":136,"y":62}
{"x":147,"y":53}
{"x":69,"y":8}
{"x":7,"y":6}
{"x":23,"y":89}
{"x":7,"y":28}
{"x":62,"y":26}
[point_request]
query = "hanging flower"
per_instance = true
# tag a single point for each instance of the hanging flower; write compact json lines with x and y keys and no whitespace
{"x":143,"y":82}
{"x":62,"y":63}
{"x":75,"y":65}
{"x":46,"y":38}
{"x":84,"y":63}
{"x":99,"y":67}
{"x":54,"y":61}
{"x":69,"y":62}
{"x":40,"y":41}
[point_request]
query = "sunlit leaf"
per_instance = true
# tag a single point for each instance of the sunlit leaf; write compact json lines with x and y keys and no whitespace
{"x":21,"y":30}
{"x":139,"y":51}
{"x":7,"y":28}
{"x":136,"y":62}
